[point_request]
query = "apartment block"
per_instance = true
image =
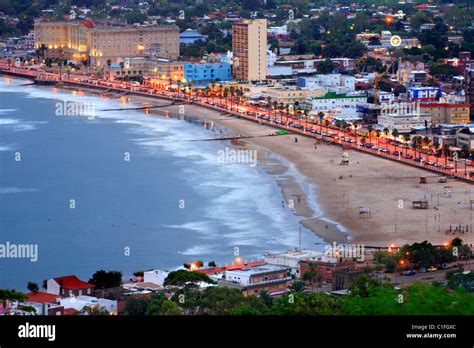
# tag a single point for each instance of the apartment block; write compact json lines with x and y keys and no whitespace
{"x":249,"y":47}
{"x":446,"y":112}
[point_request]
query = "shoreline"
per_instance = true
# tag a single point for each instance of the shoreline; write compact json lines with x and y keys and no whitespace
{"x":369,"y":182}
{"x":308,"y":214}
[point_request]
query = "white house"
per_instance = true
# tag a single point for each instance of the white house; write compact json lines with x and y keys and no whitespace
{"x":292,"y":258}
{"x":332,"y":82}
{"x":340,"y":106}
{"x":79,"y":302}
{"x":68,"y":286}
{"x":403,"y":122}
{"x":155,"y":276}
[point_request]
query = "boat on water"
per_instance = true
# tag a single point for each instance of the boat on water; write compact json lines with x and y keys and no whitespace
{"x":45,"y":80}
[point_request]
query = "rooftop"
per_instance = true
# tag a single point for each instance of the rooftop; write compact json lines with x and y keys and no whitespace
{"x":297,"y":254}
{"x":266,"y":268}
{"x":72,"y":282}
{"x":41,"y":297}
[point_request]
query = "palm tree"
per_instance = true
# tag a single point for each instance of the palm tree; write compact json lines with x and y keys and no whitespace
{"x":446,"y":153}
{"x":109,"y":64}
{"x":370,"y":128}
{"x":275,"y":107}
{"x":226,"y":95}
{"x":377,"y":134}
{"x":269,"y":101}
{"x":386,"y":131}
{"x":287,"y":109}
{"x":327,"y":123}
{"x":321,"y":118}
{"x":355,"y":124}
{"x":406,"y":137}
{"x":232,"y":93}
{"x":313,"y":276}
{"x":395,"y":135}
{"x":345,"y":126}
{"x":305,"y":114}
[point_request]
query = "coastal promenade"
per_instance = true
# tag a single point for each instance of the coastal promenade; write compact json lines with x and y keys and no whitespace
{"x":328,"y":134}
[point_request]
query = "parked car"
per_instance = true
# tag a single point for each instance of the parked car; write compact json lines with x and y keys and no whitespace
{"x":432,"y":269}
{"x":410,"y":272}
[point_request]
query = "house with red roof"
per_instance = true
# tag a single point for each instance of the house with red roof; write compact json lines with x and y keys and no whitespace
{"x":68,"y":286}
{"x":44,"y":303}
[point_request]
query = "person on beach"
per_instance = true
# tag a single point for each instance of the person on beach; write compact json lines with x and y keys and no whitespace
{"x":296,"y":139}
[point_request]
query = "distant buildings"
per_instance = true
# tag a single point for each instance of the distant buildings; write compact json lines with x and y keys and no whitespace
{"x":403,"y":120}
{"x":190,"y":36}
{"x":411,"y":74}
{"x":292,"y":94}
{"x":332,"y":82}
{"x":340,"y":106}
{"x":83,"y":41}
{"x":249,"y":47}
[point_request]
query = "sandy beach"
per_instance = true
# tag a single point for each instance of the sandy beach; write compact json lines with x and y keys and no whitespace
{"x":384,"y":188}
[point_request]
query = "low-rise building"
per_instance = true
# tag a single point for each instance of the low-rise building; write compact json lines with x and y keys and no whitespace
{"x":326,"y":266}
{"x":133,"y":67}
{"x":155,"y":276}
{"x":272,"y":278}
{"x":203,"y":73}
{"x":79,"y":302}
{"x":167,"y":72}
{"x":465,"y":138}
{"x":44,"y":303}
{"x":292,"y":258}
{"x":341,"y":106}
{"x":68,"y":286}
{"x":403,"y":121}
{"x":424,"y":93}
{"x":332,"y":82}
{"x":290,"y":95}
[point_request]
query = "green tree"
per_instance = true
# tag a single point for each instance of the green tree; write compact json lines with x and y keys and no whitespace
{"x":325,"y":67}
{"x":33,"y":287}
{"x":105,"y":280}
{"x":183,"y":278}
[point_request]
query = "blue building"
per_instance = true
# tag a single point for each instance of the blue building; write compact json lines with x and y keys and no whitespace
{"x":424,"y":93}
{"x":203,"y":73}
{"x":190,"y":36}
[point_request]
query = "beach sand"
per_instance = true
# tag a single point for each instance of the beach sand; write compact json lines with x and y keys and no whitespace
{"x":384,"y":187}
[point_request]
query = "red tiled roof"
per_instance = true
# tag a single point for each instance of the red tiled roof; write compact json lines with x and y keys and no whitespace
{"x":447,"y":105}
{"x":87,"y":23}
{"x":72,"y":283}
{"x":41,"y":297}
{"x":70,"y":311}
